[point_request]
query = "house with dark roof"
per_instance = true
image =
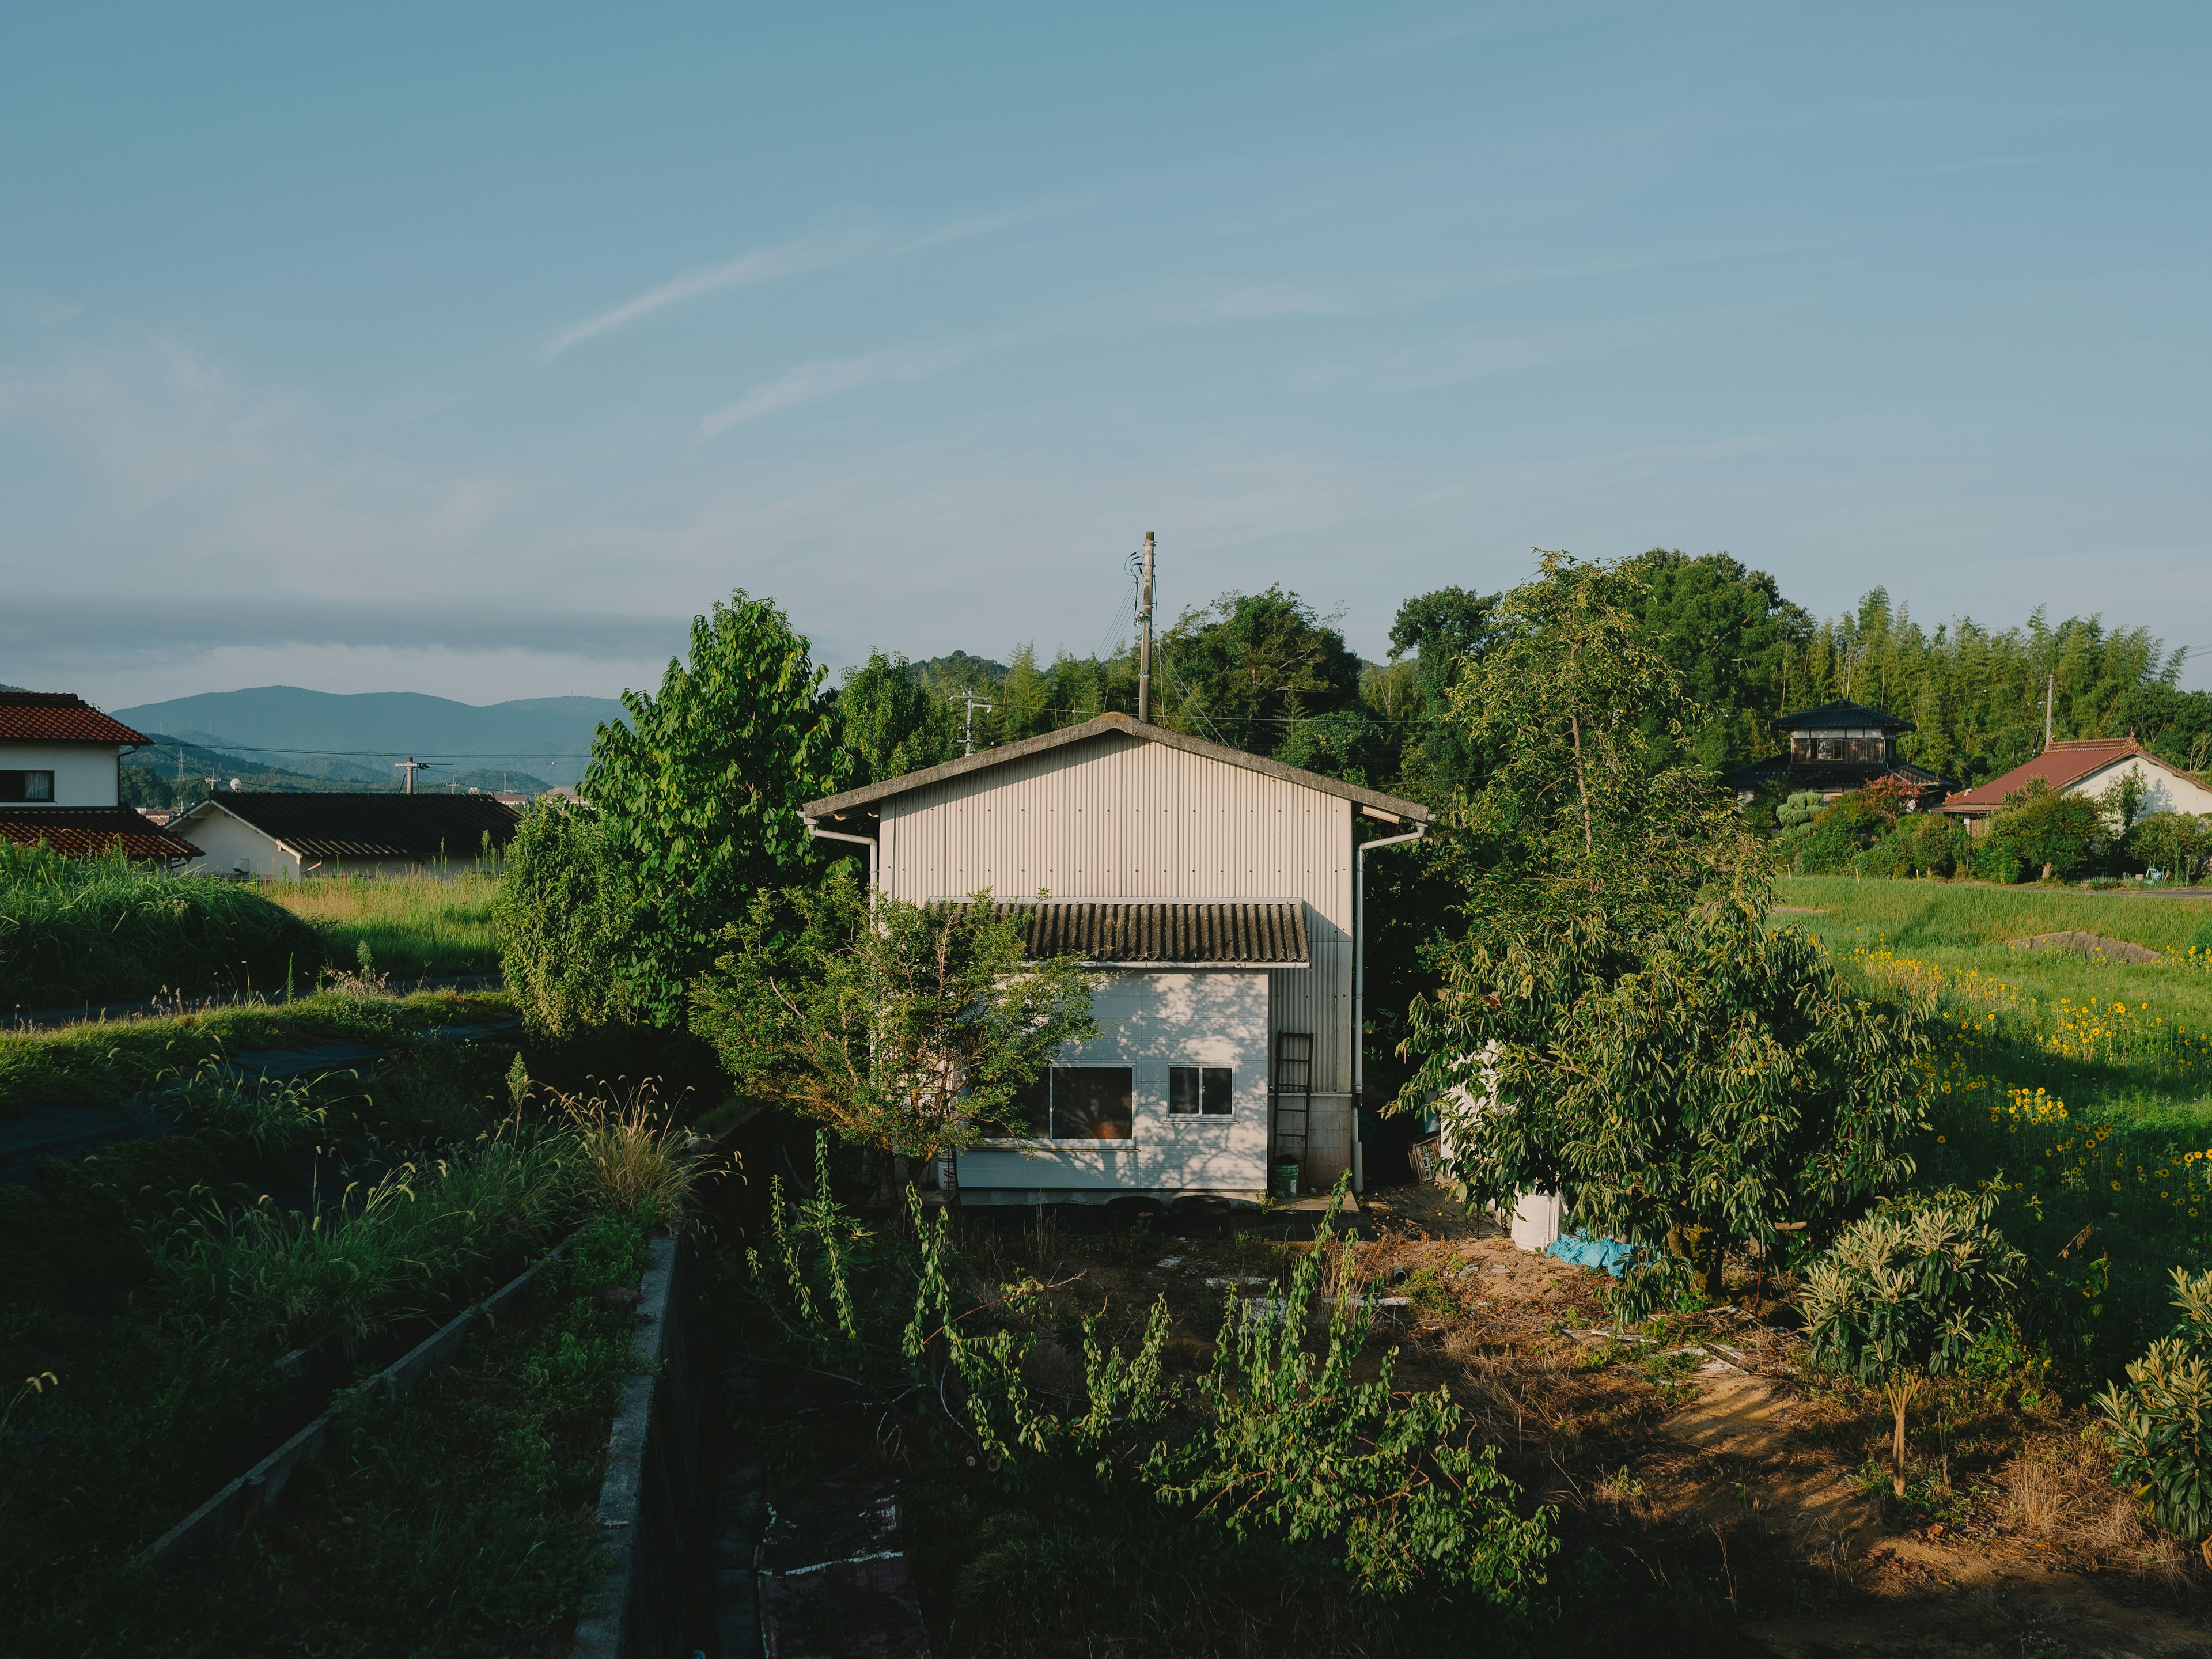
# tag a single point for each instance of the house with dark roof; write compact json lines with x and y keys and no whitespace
{"x":1218,"y":896}
{"x":280,"y":835}
{"x":1833,"y":749}
{"x":61,"y":778}
{"x":2088,"y":766}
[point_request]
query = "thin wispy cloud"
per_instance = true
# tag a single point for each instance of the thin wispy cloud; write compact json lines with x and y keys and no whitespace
{"x":816,"y":251}
{"x":1983,"y":164}
{"x":811,"y":383}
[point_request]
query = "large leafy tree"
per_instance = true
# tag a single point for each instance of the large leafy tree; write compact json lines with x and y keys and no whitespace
{"x":908,"y":1028}
{"x":565,"y":918}
{"x":1583,"y":810}
{"x":891,"y":722}
{"x":1264,"y":672}
{"x":1727,"y":632}
{"x":701,"y":789}
{"x":1693,"y":1089}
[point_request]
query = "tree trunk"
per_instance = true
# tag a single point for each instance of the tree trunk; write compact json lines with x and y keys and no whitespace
{"x":1900,"y":1391}
{"x":1715,"y":1259}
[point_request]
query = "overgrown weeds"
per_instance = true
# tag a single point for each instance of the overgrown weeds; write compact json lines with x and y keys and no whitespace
{"x":75,"y":930}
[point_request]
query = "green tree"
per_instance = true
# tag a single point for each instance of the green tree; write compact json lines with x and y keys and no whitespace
{"x":911,"y":1029}
{"x":1905,"y":1292}
{"x":1444,"y":631}
{"x":1581,"y":810}
{"x":564,"y":919}
{"x":891,"y":722}
{"x":1693,"y":1090}
{"x":1728,"y":633}
{"x":2159,"y":1426}
{"x":701,"y":790}
{"x":2040,"y":829}
{"x":1245,"y":670}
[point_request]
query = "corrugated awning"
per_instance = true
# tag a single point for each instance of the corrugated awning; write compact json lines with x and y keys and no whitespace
{"x":1168,"y":933}
{"x":85,"y":831}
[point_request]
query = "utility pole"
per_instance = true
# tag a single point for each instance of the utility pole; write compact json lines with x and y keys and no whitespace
{"x":2050,"y":684}
{"x":968,"y":746}
{"x":1145,"y":639}
{"x":410,"y":766}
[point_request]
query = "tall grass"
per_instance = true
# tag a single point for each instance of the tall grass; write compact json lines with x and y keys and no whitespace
{"x":636,"y":1156}
{"x":1918,"y":914}
{"x":415,"y":927}
{"x":75,"y":930}
{"x":420,"y":1237}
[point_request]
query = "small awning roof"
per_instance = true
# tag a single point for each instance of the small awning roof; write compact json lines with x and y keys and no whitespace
{"x":1389,"y":806}
{"x":79,"y":832}
{"x":1167,"y":933}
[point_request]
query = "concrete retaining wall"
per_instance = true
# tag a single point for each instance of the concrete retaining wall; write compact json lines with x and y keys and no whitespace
{"x":657,"y":1597}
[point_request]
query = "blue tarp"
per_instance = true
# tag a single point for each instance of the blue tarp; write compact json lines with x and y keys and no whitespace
{"x":1584,"y":1251}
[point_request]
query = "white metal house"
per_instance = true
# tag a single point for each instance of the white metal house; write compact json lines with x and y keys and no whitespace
{"x":285,"y":835}
{"x":1216,"y":891}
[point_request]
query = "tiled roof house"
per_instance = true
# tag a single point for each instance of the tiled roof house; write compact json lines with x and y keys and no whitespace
{"x":61,"y":777}
{"x":2088,"y":766}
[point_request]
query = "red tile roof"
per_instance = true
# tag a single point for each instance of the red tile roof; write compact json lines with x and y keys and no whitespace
{"x":82,"y":831}
{"x":2060,"y":765}
{"x":59,"y":717}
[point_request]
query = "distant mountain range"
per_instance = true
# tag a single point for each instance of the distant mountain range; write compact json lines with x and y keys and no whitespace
{"x":350,"y":741}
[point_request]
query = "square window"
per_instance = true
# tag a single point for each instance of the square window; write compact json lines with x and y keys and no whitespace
{"x":1215,"y":1094}
{"x":1029,"y":1114}
{"x":1182,"y":1091}
{"x":1193,"y":1091}
{"x":1091,"y":1102}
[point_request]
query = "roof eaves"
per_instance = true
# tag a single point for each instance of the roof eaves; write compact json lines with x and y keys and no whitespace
{"x":1104,"y":724}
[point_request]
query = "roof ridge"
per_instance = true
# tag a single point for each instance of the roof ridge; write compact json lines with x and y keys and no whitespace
{"x":1099,"y":725}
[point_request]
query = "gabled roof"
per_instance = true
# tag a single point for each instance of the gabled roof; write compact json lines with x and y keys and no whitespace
{"x":1841,"y":714}
{"x":59,"y":717}
{"x":1829,"y":776}
{"x":1105,"y":725}
{"x":380,"y":825}
{"x":1166,"y":932}
{"x":79,"y":832}
{"x":2061,"y":765}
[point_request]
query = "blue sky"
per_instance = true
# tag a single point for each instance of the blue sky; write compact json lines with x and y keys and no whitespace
{"x":469,"y":349}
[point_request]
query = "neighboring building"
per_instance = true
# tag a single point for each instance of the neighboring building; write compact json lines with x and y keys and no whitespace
{"x":2088,"y":767}
{"x":288,"y":836}
{"x":1217,"y":893}
{"x":61,"y":764}
{"x":1834,"y":749}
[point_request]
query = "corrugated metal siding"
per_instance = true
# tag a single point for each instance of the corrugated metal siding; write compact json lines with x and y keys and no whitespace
{"x":1121,"y":818}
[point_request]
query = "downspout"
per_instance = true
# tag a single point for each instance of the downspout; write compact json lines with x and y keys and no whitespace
{"x":816,"y":830}
{"x":1418,"y":832}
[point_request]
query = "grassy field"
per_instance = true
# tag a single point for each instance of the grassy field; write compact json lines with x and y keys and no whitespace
{"x":415,"y":927}
{"x":2084,"y":1085}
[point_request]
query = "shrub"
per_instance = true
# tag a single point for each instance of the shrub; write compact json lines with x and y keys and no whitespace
{"x":1906,"y":1292}
{"x":78,"y":929}
{"x":2044,"y":829}
{"x":564,"y":918}
{"x":2177,"y":844}
{"x":2161,"y":1426}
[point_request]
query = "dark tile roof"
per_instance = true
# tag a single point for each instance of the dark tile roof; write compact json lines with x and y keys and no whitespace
{"x":82,"y":831}
{"x":1840,"y":714}
{"x":1111,"y":724}
{"x":1193,"y":932}
{"x":59,"y":717}
{"x":370,"y":825}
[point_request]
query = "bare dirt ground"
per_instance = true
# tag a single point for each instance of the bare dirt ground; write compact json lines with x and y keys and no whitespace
{"x":1700,"y":1471}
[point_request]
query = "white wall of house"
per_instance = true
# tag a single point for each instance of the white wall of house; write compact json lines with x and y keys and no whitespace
{"x":1153,"y":1019}
{"x":1122,"y":816}
{"x":85,"y":774}
{"x":2164,"y":789}
{"x":232,"y":846}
